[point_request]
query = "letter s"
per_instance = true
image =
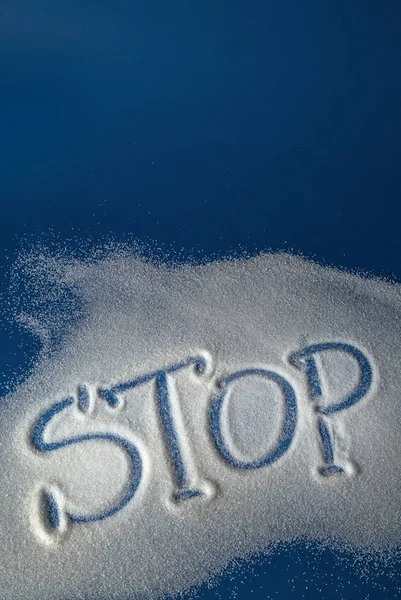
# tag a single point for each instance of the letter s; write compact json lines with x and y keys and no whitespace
{"x":132,"y":451}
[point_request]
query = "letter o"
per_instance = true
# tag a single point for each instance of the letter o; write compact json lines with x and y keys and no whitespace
{"x":288,"y":429}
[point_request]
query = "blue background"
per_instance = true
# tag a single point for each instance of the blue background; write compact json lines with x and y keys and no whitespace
{"x":209,"y":127}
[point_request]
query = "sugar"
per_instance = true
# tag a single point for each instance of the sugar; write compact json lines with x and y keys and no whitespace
{"x":179,"y":425}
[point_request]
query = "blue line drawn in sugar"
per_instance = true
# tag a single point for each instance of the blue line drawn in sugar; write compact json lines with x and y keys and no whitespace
{"x":161,"y":377}
{"x":167,"y":403}
{"x":288,"y":429}
{"x":83,"y":398}
{"x":53,"y":511}
{"x":304,"y":359}
{"x":111,"y":394}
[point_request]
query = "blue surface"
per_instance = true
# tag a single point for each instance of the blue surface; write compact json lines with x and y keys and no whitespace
{"x":208,"y":127}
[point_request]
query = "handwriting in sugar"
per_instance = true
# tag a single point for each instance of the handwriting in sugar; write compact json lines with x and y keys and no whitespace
{"x":54,"y":507}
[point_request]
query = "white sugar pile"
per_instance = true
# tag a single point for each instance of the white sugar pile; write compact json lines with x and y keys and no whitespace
{"x":196,"y":414}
